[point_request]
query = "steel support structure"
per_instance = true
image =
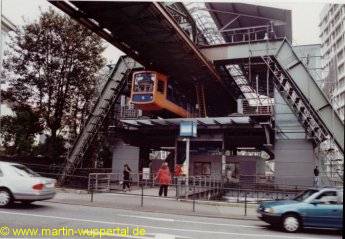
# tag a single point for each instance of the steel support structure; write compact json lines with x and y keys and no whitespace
{"x":297,"y":83}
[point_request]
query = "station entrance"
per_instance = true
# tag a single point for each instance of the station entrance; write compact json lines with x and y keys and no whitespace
{"x":217,"y":151}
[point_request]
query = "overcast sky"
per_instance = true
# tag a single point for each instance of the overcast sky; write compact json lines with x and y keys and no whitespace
{"x":305,"y":17}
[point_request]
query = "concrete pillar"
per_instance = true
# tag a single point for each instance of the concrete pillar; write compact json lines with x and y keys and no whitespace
{"x":240,"y":106}
{"x":144,"y":158}
{"x":122,"y":100}
{"x":294,"y":162}
{"x":124,"y":153}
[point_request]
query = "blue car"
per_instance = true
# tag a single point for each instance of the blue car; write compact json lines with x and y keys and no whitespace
{"x":318,"y":208}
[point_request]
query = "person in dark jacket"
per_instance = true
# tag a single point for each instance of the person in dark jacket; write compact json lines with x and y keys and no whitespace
{"x":126,"y":178}
{"x":164,"y":179}
{"x":316,"y":177}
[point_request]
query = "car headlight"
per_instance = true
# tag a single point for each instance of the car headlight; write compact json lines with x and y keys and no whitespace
{"x":269,"y":210}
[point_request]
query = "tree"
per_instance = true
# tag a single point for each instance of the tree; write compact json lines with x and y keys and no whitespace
{"x":52,"y":65}
{"x":18,"y":131}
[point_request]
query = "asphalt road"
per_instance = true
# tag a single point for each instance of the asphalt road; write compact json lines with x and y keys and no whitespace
{"x":64,"y":220}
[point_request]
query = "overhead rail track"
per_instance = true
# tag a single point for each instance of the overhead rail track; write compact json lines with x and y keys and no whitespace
{"x":293,"y":82}
{"x":146,"y":32}
{"x":151,"y":34}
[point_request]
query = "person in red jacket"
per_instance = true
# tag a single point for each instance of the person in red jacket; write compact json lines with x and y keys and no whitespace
{"x":164,"y":179}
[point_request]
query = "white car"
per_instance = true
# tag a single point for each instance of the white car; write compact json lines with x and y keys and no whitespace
{"x":19,"y":183}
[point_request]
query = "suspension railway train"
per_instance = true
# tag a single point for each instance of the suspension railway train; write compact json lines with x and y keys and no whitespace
{"x":152,"y":92}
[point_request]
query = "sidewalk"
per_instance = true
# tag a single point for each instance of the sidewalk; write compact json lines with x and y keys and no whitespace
{"x":156,"y":204}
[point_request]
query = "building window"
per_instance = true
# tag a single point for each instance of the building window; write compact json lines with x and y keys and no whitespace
{"x":202,"y":168}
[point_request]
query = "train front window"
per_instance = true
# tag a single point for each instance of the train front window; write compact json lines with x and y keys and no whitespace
{"x":144,"y":82}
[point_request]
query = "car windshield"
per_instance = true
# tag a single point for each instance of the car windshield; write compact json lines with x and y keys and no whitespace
{"x":304,"y":195}
{"x":23,"y":170}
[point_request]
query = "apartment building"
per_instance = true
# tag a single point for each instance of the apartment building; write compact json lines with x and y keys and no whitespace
{"x":332,"y":34}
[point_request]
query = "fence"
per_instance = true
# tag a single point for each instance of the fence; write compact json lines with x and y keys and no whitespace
{"x":198,"y":190}
{"x":259,"y":109}
{"x":198,"y":187}
{"x":183,"y":187}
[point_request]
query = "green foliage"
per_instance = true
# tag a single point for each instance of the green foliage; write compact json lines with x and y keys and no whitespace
{"x":57,"y":146}
{"x":18,"y":131}
{"x":52,"y":65}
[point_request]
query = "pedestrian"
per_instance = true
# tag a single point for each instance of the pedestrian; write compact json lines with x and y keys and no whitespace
{"x":164,"y":179}
{"x":126,"y":178}
{"x":178,"y":170}
{"x":316,"y":177}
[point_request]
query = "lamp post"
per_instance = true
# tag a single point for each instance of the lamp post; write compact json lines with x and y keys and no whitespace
{"x":186,"y":163}
{"x":188,"y":129}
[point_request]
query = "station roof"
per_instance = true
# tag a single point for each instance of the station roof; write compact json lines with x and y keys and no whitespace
{"x":215,"y":122}
{"x":235,"y":131}
{"x":230,"y":16}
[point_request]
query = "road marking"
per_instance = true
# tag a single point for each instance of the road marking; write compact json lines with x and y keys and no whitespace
{"x":187,"y":221}
{"x":149,"y":218}
{"x":255,"y":235}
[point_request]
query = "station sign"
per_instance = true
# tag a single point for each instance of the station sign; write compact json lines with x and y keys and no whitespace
{"x":146,"y":173}
{"x":188,"y":129}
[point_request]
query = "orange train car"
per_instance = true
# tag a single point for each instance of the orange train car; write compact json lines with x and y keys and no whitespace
{"x":150,"y":93}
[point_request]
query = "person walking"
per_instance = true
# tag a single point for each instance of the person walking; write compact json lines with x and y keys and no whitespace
{"x":126,"y":178}
{"x":316,"y":177}
{"x":164,"y":179}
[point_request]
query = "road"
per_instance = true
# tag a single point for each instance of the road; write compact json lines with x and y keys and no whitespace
{"x":66,"y":219}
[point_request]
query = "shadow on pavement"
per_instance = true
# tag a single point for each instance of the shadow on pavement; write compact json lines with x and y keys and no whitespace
{"x":315,"y":231}
{"x":30,"y":206}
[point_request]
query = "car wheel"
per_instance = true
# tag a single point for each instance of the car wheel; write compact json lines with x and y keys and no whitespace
{"x":5,"y":197}
{"x":291,"y":223}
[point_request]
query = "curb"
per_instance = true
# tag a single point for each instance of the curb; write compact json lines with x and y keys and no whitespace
{"x":203,"y":202}
{"x":71,"y":190}
{"x":161,"y":212}
{"x":143,"y":209}
{"x":220,"y":204}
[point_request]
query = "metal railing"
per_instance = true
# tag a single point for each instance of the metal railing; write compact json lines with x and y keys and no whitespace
{"x":199,"y":186}
{"x":127,"y":112}
{"x":257,"y":110}
{"x":196,"y":190}
{"x":107,"y":182}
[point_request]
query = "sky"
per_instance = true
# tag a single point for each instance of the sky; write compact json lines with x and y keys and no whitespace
{"x":305,"y":18}
{"x":21,"y":11}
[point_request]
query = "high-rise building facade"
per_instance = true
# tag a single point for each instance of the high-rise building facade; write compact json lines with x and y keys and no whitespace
{"x":6,"y":26}
{"x":332,"y":34}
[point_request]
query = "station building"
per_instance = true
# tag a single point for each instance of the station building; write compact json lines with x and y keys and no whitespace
{"x":259,"y":113}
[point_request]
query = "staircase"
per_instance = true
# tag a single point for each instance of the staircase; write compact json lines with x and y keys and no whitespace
{"x":310,"y":106}
{"x":116,"y":83}
{"x":242,"y":82}
{"x":293,"y":81}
